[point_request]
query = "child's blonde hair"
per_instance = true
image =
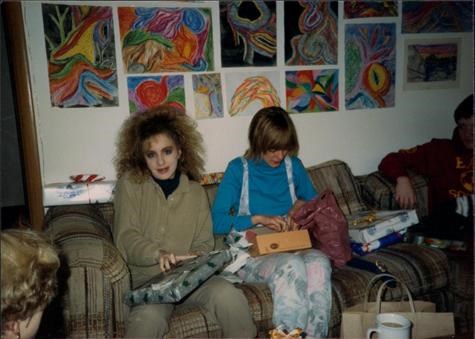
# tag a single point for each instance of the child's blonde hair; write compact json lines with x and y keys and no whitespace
{"x":29,"y":266}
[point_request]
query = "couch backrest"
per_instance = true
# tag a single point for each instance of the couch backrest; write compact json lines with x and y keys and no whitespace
{"x":334,"y":175}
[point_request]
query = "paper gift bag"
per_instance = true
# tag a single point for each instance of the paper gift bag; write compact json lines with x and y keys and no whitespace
{"x":426,"y":323}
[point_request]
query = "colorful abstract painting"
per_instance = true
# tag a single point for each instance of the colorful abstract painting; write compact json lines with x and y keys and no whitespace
{"x":249,"y":92}
{"x":370,"y":8}
{"x":370,"y":63}
{"x":431,"y":64}
{"x":147,"y":92}
{"x":166,"y":39}
{"x":311,"y":32}
{"x":437,"y":16}
{"x":311,"y":90}
{"x":248,"y":33}
{"x":208,"y":97}
{"x":81,"y":55}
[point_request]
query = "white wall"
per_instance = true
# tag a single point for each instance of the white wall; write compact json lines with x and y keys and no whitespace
{"x":81,"y":140}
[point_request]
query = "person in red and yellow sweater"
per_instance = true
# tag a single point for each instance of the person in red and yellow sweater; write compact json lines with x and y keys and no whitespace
{"x":448,"y":166}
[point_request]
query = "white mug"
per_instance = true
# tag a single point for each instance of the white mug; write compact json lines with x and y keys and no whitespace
{"x":391,"y":326}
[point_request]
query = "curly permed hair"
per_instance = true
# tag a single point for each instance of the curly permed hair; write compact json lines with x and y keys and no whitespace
{"x":140,"y":127}
{"x":29,"y":266}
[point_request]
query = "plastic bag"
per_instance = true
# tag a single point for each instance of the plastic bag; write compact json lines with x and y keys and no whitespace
{"x":327,"y":226}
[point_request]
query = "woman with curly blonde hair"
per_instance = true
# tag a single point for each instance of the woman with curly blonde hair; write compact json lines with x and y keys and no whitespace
{"x":162,"y":216}
{"x":29,"y":265}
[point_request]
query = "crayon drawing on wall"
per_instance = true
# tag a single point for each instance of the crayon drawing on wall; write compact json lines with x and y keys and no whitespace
{"x":370,"y":8}
{"x":247,"y":92}
{"x":248,"y":33}
{"x":81,"y":55}
{"x":311,"y":32}
{"x":431,"y":64}
{"x":147,"y":92}
{"x":370,"y":64}
{"x":166,"y":39}
{"x":436,"y":16}
{"x":208,"y":96}
{"x":311,"y":90}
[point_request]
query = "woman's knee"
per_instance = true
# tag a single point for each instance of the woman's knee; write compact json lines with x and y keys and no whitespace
{"x":148,"y":320}
{"x":224,"y":292}
{"x":317,"y":256}
{"x":290,"y":263}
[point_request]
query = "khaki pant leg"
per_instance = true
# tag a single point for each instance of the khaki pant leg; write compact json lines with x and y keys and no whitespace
{"x":149,"y":321}
{"x":229,"y":306}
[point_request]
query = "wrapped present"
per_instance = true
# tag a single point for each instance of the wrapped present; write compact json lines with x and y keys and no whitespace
{"x":363,"y":249}
{"x":174,"y":285}
{"x":266,"y":241}
{"x":364,"y":227}
{"x":72,"y":193}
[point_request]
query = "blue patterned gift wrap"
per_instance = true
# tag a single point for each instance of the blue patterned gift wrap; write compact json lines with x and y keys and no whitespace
{"x":390,"y":239}
{"x":367,"y":226}
{"x":174,"y":285}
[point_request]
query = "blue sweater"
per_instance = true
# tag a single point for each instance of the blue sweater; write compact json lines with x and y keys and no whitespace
{"x":268,"y":193}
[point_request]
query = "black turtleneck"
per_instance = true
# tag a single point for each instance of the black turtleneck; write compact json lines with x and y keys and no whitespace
{"x":168,"y":186}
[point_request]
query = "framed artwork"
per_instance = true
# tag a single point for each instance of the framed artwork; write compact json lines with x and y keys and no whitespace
{"x":311,"y":90}
{"x":147,"y":92}
{"x":367,"y":9}
{"x":166,"y":39}
{"x":81,"y":55}
{"x":248,"y":33}
{"x":247,"y":92}
{"x":370,"y":65}
{"x":311,"y":32}
{"x":436,"y":16}
{"x":208,"y":95}
{"x":431,"y":64}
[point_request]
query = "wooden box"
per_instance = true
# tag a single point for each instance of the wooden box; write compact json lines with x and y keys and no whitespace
{"x":266,"y":241}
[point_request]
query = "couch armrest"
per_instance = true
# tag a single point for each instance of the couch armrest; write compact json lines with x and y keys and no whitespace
{"x":379,"y":192}
{"x":93,"y":270}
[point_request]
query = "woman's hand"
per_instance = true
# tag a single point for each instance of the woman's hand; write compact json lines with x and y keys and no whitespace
{"x":276,"y":223}
{"x":297,"y":205}
{"x":166,"y":260}
{"x":405,"y":195}
{"x":291,"y":225}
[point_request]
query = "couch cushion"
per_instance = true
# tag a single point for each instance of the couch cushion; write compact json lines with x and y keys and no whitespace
{"x":259,"y":297}
{"x":192,"y":321}
{"x":336,"y":176}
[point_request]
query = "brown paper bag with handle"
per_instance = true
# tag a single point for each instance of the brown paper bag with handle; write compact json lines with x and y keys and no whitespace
{"x":426,"y":322}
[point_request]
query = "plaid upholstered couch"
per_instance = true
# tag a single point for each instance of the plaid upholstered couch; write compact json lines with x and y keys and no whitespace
{"x":95,"y":277}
